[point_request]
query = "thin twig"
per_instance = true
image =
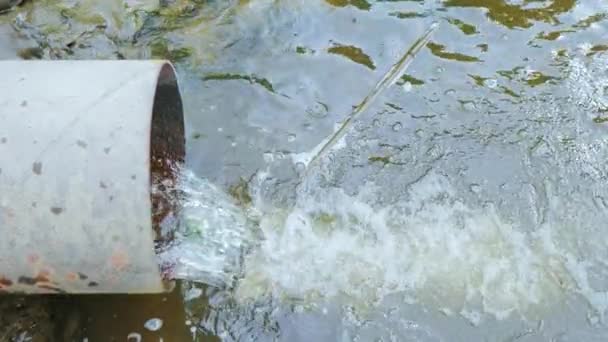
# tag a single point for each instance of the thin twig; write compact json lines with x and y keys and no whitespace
{"x":387,"y":80}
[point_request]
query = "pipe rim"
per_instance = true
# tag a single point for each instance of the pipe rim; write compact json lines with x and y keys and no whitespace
{"x":167,"y":149}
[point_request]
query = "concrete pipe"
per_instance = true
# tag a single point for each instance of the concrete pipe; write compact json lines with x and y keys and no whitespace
{"x":81,"y":143}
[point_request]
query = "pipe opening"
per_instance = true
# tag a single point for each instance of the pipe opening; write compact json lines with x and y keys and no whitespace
{"x":167,"y":146}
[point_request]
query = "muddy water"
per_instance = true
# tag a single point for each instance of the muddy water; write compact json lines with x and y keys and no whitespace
{"x":500,"y":122}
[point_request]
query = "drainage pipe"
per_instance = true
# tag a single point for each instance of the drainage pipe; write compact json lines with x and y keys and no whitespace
{"x":81,"y":144}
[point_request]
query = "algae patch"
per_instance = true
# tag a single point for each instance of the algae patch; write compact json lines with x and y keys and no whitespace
{"x":353,"y":53}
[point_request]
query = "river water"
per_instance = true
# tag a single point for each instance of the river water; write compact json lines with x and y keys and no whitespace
{"x":467,"y":203}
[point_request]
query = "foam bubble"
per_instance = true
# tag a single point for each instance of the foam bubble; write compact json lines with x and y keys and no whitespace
{"x":432,"y":247}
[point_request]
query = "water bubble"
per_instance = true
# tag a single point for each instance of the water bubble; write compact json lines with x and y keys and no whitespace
{"x":154,"y":324}
{"x":397,"y":126}
{"x":450,"y":92}
{"x":220,"y":129}
{"x":475,"y":188}
{"x":134,"y":337}
{"x":291,"y":138}
{"x":446,"y":311}
{"x":439,"y":69}
{"x":407,"y":87}
{"x":474,"y":317}
{"x":300,"y":167}
{"x":469,"y":106}
{"x":232,"y":140}
{"x":490,"y":83}
{"x":593,"y":320}
{"x":193,"y":293}
{"x":318,"y":110}
{"x":585,"y":47}
{"x":268,"y":157}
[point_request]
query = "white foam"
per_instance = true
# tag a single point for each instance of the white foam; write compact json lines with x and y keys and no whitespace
{"x":211,"y":234}
{"x":432,"y":247}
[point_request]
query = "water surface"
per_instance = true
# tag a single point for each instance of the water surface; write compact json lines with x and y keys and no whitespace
{"x":467,"y":204}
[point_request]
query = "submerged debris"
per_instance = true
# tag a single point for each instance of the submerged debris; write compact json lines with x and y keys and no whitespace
{"x":353,"y":53}
{"x":388,"y":79}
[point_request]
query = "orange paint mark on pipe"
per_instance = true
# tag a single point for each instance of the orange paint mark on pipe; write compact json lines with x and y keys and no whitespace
{"x":42,"y":279}
{"x":33,"y":258}
{"x":119,"y":260}
{"x":44,"y":276}
{"x":5,"y":282}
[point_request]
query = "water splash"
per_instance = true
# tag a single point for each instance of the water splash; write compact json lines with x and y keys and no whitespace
{"x":210,"y":234}
{"x":431,"y":245}
{"x":432,"y":248}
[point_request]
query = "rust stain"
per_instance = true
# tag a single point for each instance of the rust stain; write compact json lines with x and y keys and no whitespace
{"x":5,"y":282}
{"x":43,"y":276}
{"x":71,"y":276}
{"x":33,"y":258}
{"x":119,"y":260}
